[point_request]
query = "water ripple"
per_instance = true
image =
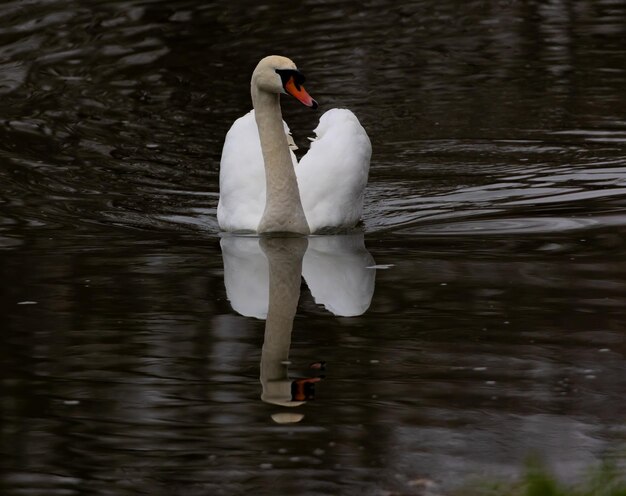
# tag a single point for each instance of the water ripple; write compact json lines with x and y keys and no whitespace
{"x":107,"y":118}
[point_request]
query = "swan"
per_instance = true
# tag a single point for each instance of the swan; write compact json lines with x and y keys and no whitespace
{"x":263,"y":188}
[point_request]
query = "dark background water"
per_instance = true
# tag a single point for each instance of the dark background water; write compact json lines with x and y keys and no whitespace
{"x":494,"y":213}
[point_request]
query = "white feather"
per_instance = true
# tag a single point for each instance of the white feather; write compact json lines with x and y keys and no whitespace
{"x":332,"y":175}
{"x":242,"y":176}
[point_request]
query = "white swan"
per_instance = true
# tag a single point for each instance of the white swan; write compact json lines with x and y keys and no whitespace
{"x":324,"y":190}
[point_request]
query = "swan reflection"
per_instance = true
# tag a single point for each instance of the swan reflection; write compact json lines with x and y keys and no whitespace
{"x":262,"y":278}
{"x":335,"y":269}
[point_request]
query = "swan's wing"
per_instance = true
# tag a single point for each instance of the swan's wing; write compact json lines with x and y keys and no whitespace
{"x":335,"y":269}
{"x":333,"y":174}
{"x":242,"y":176}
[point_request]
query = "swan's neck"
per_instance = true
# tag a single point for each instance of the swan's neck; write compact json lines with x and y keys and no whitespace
{"x":283,"y":207}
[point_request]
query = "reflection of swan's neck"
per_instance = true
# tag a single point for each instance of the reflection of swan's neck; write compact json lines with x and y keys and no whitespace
{"x":284,"y":256}
{"x":283,"y":207}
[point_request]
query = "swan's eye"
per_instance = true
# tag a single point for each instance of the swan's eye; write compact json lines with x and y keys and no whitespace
{"x":286,"y":74}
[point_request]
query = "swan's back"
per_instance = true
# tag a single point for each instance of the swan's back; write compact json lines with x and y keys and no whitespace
{"x":333,"y":174}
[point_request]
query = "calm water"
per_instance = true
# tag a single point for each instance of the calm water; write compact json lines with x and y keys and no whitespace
{"x":476,"y":319}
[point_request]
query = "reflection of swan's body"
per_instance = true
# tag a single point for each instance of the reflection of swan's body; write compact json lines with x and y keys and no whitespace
{"x":261,"y":191}
{"x":262,"y":278}
{"x":334,"y":268}
{"x":246,"y":276}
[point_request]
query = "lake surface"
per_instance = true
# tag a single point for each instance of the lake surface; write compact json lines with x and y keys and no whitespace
{"x":475,"y":319}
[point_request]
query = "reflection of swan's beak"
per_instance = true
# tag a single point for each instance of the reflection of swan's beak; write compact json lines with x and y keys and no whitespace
{"x":299,"y":93}
{"x":304,"y":389}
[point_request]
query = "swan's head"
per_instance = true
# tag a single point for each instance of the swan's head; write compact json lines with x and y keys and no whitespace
{"x":276,"y":74}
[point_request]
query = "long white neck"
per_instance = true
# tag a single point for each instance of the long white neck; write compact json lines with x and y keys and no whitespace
{"x":283,"y":207}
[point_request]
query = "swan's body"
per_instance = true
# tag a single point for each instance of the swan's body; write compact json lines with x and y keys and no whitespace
{"x":262,"y":186}
{"x":242,"y":177}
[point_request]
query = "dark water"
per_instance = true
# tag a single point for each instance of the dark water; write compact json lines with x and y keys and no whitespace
{"x":477,"y":319}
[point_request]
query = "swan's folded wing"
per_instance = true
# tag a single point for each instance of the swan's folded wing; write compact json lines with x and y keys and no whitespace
{"x":333,"y":174}
{"x":242,"y":177}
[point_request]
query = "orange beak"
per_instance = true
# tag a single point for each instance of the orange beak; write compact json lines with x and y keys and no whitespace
{"x":300,"y":93}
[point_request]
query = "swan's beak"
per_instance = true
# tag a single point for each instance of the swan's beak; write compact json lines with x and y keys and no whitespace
{"x":298,"y":92}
